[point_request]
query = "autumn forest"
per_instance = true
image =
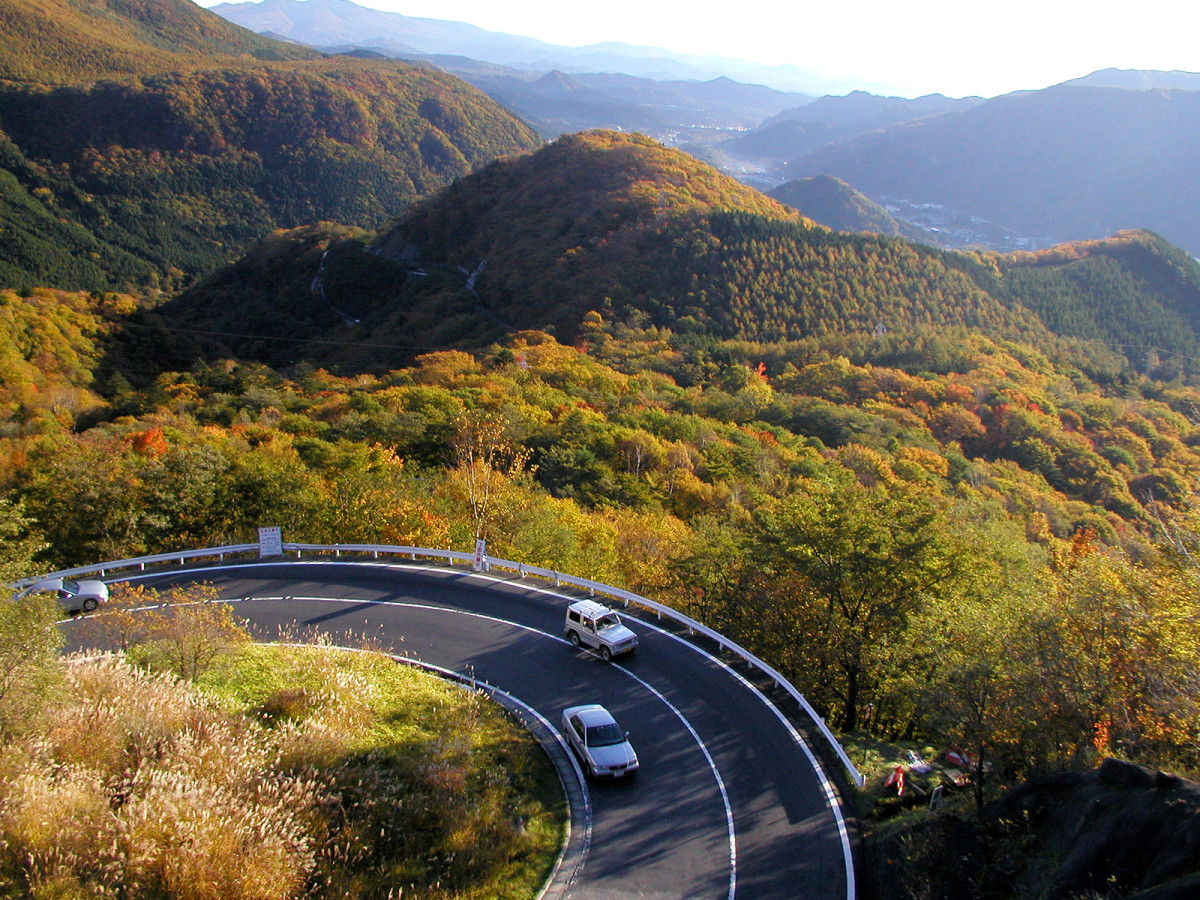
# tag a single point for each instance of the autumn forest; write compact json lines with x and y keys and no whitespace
{"x":949,"y":494}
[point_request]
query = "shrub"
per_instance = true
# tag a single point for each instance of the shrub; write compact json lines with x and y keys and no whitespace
{"x":29,"y":645}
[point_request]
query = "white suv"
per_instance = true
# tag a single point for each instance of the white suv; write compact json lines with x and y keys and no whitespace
{"x":594,"y":625}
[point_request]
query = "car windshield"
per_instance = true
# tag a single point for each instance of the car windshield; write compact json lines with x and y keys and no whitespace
{"x":605,"y":735}
{"x":71,"y":587}
{"x":608,"y":620}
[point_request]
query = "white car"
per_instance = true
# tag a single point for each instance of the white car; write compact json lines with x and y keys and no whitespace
{"x":72,"y":595}
{"x":594,"y":625}
{"x":599,"y":742}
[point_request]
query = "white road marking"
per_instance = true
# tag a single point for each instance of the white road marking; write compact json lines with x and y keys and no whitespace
{"x":712,"y":765}
{"x":826,"y":785}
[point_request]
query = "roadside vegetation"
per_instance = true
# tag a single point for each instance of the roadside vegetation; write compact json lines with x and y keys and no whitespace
{"x":996,"y":553}
{"x":256,"y":772}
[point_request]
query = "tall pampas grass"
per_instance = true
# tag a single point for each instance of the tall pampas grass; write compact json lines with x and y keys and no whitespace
{"x":140,"y":787}
{"x":285,"y":772}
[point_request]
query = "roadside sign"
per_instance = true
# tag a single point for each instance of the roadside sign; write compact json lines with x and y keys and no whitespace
{"x":270,"y":541}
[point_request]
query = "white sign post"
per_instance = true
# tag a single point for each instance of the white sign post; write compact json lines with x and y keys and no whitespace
{"x":270,"y":541}
{"x":480,"y":564}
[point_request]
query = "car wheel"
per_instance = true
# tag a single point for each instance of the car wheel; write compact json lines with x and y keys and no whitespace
{"x":606,"y":654}
{"x":89,"y":603}
{"x":574,"y":636}
{"x":587,"y":767}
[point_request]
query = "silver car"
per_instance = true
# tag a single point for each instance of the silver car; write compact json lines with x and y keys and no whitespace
{"x":73,"y":596}
{"x":599,"y":742}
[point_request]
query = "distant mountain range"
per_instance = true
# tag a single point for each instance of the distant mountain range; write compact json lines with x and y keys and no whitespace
{"x":1065,"y":163}
{"x":1077,"y":161}
{"x":830,"y":120}
{"x":1112,"y":150}
{"x":679,"y":112}
{"x":1139,"y":80}
{"x":344,"y":25}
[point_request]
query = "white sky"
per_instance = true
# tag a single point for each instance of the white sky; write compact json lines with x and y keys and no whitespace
{"x":953,"y":47}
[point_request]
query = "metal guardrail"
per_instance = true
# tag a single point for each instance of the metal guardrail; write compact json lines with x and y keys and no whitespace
{"x":140,"y":562}
{"x":375,"y":550}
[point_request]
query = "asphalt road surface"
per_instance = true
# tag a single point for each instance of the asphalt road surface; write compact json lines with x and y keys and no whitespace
{"x":728,"y":802}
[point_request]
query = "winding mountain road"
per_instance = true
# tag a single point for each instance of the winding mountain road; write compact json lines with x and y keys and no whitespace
{"x":729,"y":802}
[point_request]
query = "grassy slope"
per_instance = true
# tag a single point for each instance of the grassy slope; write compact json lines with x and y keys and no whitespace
{"x":291,"y":772}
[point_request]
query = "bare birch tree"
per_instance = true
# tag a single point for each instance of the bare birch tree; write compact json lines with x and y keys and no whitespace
{"x":485,"y":455}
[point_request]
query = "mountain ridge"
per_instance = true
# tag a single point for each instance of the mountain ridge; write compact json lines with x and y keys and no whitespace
{"x":294,"y":19}
{"x":558,"y":102}
{"x":155,"y":178}
{"x":832,"y":121}
{"x":621,"y":226}
{"x":834,"y":203}
{"x":1139,"y":79}
{"x":59,"y":42}
{"x":1063,"y":163}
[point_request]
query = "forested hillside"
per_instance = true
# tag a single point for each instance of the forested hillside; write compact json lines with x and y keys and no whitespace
{"x":832,"y":202}
{"x":849,"y":521}
{"x":616,"y":224}
{"x":65,"y":42}
{"x":619,"y":225}
{"x":1133,"y":292}
{"x":150,"y":180}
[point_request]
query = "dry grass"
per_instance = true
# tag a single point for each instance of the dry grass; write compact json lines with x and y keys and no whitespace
{"x":138,"y":787}
{"x":292,"y":772}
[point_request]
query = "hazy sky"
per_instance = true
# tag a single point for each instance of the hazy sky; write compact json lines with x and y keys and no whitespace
{"x":945,"y":46}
